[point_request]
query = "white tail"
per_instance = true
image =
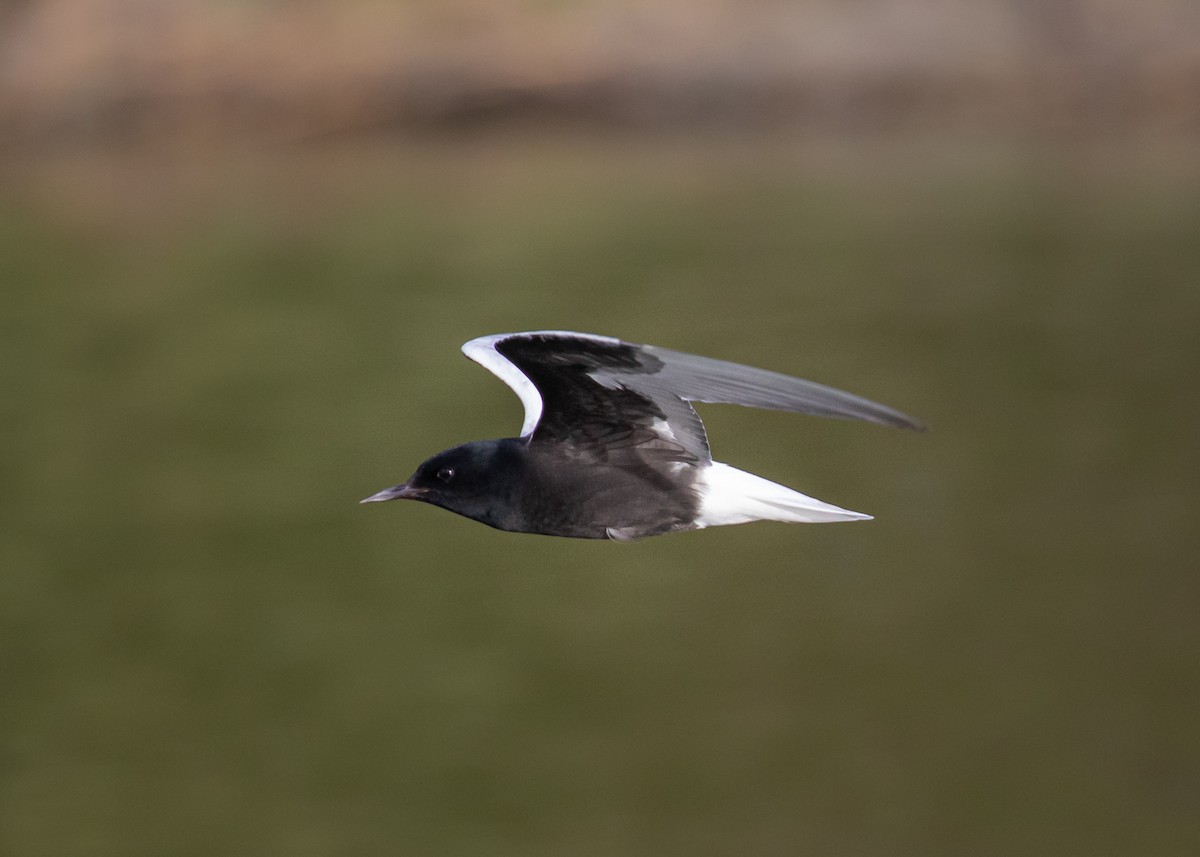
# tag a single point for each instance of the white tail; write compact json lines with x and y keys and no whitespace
{"x":732,"y":496}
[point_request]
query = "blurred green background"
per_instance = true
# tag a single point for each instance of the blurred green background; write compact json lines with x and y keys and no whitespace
{"x":211,"y":350}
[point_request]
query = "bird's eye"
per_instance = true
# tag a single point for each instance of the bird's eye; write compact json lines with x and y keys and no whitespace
{"x":446,"y":474}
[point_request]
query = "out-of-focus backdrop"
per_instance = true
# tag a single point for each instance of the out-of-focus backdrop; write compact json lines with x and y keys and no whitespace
{"x":240,"y":244}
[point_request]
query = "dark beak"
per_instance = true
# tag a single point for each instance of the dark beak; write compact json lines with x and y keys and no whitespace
{"x":396,"y":492}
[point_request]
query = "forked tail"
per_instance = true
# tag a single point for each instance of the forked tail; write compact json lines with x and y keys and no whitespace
{"x":732,"y":496}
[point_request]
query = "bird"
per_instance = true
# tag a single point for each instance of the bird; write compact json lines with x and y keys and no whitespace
{"x":611,"y":447}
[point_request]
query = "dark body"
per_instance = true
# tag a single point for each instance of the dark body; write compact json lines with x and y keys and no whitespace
{"x":596,"y":466}
{"x":523,"y":486}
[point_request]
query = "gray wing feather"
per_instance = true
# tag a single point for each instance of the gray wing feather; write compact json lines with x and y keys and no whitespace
{"x":704,"y":379}
{"x":669,"y":379}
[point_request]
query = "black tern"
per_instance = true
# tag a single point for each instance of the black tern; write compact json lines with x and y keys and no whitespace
{"x":611,"y":446}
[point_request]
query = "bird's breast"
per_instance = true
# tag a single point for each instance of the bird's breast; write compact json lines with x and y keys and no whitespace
{"x":587,"y":497}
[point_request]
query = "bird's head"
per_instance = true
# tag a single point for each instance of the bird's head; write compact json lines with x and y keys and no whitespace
{"x":468,"y":479}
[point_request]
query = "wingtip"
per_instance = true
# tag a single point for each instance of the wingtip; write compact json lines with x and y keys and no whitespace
{"x":900,"y":420}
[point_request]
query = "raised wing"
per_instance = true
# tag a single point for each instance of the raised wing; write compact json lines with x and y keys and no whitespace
{"x":573,"y":387}
{"x":583,"y":386}
{"x":703,"y":379}
{"x":483,"y":351}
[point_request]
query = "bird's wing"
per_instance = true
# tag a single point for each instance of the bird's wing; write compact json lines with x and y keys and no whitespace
{"x":703,"y":379}
{"x":580,"y":388}
{"x":586,"y":387}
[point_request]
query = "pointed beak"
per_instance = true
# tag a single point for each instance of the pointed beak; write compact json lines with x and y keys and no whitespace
{"x":396,"y":492}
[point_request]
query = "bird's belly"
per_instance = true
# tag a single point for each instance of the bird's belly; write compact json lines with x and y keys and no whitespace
{"x":590,"y":502}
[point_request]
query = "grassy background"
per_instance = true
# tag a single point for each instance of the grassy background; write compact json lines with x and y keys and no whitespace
{"x":210,"y":648}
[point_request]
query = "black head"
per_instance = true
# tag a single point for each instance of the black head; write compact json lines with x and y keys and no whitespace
{"x":476,"y":480}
